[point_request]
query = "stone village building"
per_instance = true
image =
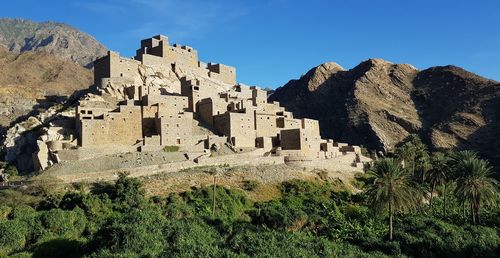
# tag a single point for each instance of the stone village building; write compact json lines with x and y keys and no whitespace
{"x":166,"y":97}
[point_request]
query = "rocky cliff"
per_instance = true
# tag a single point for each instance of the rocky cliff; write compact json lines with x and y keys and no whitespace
{"x":377,"y":104}
{"x":61,"y":40}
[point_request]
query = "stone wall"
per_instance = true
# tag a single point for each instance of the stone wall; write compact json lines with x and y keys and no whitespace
{"x":121,"y":127}
{"x":176,"y":129}
{"x":223,"y":73}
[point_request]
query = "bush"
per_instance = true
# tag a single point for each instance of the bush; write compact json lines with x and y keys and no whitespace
{"x":276,"y":243}
{"x":59,"y":223}
{"x":4,"y":211}
{"x":59,"y":247}
{"x":171,"y":148}
{"x":250,"y":185}
{"x":138,"y":232}
{"x":23,"y":212}
{"x":129,"y":192}
{"x":12,"y":236}
{"x":427,"y":236}
{"x":11,"y":170}
{"x":231,"y":204}
{"x":193,"y":238}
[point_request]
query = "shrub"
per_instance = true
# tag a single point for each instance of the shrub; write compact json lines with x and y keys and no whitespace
{"x":427,"y":236}
{"x":23,"y":212}
{"x":59,"y":223}
{"x":250,"y":185}
{"x":192,"y":238}
{"x":12,"y":236}
{"x":4,"y":211}
{"x":276,"y":243}
{"x":171,"y":148}
{"x":12,"y":198}
{"x":11,"y":170}
{"x":59,"y":247}
{"x":138,"y":232}
{"x":231,"y":204}
{"x":129,"y":192}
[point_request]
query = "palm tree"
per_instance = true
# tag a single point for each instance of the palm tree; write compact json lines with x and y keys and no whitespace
{"x":413,"y":154}
{"x":391,"y":189}
{"x":438,"y":175}
{"x":456,"y":158}
{"x":407,"y":154}
{"x":475,"y":187}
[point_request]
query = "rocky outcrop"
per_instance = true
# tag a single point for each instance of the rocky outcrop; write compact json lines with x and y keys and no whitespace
{"x":377,"y":104}
{"x":34,"y":81}
{"x":61,"y":40}
{"x":32,"y":136}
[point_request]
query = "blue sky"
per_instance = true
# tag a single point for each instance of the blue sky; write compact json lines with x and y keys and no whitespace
{"x":273,"y":41}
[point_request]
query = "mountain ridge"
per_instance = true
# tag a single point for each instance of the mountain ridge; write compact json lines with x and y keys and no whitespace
{"x":62,"y":40}
{"x":378,"y":104}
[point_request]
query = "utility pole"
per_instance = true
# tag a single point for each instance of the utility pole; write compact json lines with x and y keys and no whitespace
{"x":213,"y":196}
{"x":213,"y":172}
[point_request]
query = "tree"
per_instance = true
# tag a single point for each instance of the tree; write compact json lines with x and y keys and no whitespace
{"x":474,"y":185}
{"x":391,"y":189}
{"x":438,"y":175}
{"x":456,"y":158}
{"x":413,"y":154}
{"x":129,"y":191}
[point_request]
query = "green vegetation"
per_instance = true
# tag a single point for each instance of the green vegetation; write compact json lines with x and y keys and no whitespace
{"x":172,"y":148}
{"x":309,"y":219}
{"x":11,"y":170}
{"x":250,"y":185}
{"x":391,"y":189}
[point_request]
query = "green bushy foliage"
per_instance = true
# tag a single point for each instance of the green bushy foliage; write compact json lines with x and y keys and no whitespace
{"x":11,"y":170}
{"x":137,"y":231}
{"x":59,"y":223}
{"x":13,"y":236}
{"x":129,"y":192}
{"x":172,"y":148}
{"x":280,"y":243}
{"x":193,"y":238}
{"x":308,"y":220}
{"x":426,"y":236}
{"x":250,"y":185}
{"x":230,"y":204}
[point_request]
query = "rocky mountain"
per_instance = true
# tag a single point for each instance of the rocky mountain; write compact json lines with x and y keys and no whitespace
{"x":61,"y":40}
{"x":29,"y":81}
{"x":377,"y":104}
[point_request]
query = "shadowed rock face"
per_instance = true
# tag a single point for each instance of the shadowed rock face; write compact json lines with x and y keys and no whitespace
{"x":377,"y":104}
{"x":61,"y":40}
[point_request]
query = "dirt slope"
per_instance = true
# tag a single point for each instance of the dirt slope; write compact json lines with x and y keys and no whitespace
{"x":26,"y":80}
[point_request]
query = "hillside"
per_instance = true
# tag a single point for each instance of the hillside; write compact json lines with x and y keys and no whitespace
{"x":61,"y":40}
{"x":377,"y":104}
{"x":27,"y":78}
